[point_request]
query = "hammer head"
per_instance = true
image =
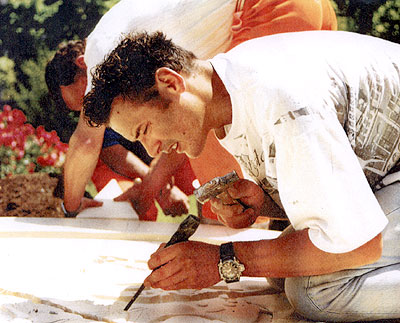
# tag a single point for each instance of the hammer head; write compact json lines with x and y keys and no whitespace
{"x":215,"y":187}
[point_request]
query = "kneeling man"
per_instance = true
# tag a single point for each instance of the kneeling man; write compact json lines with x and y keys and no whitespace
{"x":313,"y":119}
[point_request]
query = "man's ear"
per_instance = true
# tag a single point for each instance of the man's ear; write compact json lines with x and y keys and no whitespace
{"x":169,"y":83}
{"x":80,"y":62}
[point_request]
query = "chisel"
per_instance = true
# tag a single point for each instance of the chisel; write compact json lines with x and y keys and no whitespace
{"x":184,"y":232}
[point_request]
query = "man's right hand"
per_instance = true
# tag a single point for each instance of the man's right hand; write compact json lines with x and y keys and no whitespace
{"x":140,"y":198}
{"x":172,"y":201}
{"x":88,"y":203}
{"x":85,"y":204}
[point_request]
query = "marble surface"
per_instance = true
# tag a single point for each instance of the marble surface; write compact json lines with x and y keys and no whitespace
{"x":87,"y":269}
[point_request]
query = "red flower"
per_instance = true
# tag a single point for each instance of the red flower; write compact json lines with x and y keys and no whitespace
{"x":28,"y":129}
{"x":61,"y":147}
{"x":6,"y":139}
{"x":31,"y":167}
{"x":50,"y":161}
{"x":41,"y":161}
{"x":18,"y":117}
{"x":28,"y":149}
{"x":7,"y":108}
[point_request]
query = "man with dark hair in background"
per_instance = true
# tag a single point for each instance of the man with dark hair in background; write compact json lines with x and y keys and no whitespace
{"x":120,"y":159}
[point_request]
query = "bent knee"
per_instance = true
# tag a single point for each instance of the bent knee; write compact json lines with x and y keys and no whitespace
{"x":319,"y":299}
{"x":304,"y":301}
{"x":296,"y":293}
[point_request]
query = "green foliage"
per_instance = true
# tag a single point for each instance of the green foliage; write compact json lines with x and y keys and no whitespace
{"x":29,"y":34}
{"x":380,"y":18}
{"x":31,"y":24}
{"x":7,"y":73}
{"x":33,"y":97}
{"x":386,"y":21}
{"x":27,"y":97}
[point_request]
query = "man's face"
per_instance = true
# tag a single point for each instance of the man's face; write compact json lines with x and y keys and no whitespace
{"x":158,"y":127}
{"x":73,"y":94}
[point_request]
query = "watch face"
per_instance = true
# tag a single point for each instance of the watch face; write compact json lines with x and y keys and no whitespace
{"x":231,"y":270}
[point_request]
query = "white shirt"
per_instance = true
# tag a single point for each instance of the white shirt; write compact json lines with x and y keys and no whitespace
{"x":202,"y":26}
{"x":302,"y":103}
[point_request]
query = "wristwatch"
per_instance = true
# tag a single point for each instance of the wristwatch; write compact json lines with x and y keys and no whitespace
{"x":230,"y":269}
{"x":69,"y":214}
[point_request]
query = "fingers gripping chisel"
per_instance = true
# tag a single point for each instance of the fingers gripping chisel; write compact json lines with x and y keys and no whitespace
{"x":184,"y":232}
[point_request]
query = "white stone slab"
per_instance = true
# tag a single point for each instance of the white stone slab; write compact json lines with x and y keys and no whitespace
{"x":110,"y":191}
{"x":86,"y":270}
{"x":121,"y":230}
{"x":79,"y":280}
{"x":110,"y":209}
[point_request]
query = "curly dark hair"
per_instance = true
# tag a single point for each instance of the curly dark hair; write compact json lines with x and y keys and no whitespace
{"x":61,"y":69}
{"x":129,"y":71}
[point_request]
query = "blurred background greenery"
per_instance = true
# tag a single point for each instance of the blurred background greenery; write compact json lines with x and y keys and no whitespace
{"x":30,"y":31}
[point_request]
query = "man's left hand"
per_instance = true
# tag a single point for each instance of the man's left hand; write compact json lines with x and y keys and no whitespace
{"x":239,"y":215}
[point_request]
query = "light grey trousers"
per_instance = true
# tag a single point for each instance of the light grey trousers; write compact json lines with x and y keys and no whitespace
{"x":367,"y":293}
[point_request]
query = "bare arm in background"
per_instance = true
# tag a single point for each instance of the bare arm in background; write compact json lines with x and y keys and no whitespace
{"x":142,"y":195}
{"x":85,"y":147}
{"x":124,"y":162}
{"x":83,"y":153}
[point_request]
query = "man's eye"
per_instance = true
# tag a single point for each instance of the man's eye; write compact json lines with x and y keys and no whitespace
{"x":138,"y":133}
{"x":145,"y":129}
